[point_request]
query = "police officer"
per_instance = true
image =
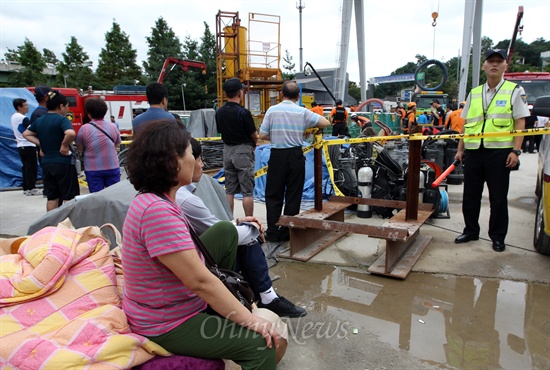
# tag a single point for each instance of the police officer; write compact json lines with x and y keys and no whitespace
{"x":496,"y":106}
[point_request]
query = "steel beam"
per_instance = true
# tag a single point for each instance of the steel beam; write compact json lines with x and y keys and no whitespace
{"x":379,"y":202}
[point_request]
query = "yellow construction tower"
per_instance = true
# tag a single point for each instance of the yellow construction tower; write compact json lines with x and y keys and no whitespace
{"x":252,"y":55}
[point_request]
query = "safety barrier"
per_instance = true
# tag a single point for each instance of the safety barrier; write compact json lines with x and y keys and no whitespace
{"x":320,"y":143}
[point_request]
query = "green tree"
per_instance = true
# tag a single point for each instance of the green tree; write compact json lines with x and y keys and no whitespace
{"x":354,"y":90}
{"x":190,"y":48}
{"x":290,"y":73}
{"x":163,"y":43}
{"x":75,"y":68}
{"x":200,"y":90}
{"x":194,"y":88}
{"x":32,"y":63}
{"x":117,"y":60}
{"x":382,"y":91}
{"x":207,"y":53}
{"x":451,"y":86}
{"x":49,"y":57}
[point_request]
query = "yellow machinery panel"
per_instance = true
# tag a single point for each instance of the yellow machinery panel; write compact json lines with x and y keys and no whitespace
{"x":235,"y":50}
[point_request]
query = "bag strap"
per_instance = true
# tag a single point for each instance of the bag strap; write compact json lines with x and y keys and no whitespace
{"x":198,"y":242}
{"x":116,"y":232}
{"x":100,"y":129}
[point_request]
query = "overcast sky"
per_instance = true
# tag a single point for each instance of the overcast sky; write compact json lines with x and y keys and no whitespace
{"x":395,"y":30}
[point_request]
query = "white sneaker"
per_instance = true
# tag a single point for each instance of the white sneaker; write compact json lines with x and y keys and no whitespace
{"x":27,"y":192}
{"x":35,"y":191}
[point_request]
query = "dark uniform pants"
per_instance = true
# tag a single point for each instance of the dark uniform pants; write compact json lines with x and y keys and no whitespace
{"x":30,"y":166}
{"x":285,"y":183}
{"x":480,"y":166}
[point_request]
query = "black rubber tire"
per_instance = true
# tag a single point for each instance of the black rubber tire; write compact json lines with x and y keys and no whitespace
{"x":425,"y":65}
{"x":541,"y":240}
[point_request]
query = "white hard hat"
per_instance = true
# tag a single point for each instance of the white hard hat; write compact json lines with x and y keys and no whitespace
{"x":354,"y":115}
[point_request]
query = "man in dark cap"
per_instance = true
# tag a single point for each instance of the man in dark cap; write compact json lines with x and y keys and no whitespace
{"x":40,"y":93}
{"x":496,"y":106}
{"x":239,"y":135}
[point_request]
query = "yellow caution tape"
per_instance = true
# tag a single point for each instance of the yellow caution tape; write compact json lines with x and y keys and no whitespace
{"x":319,"y":142}
{"x":331,"y":172}
{"x":208,"y":138}
{"x":530,"y":131}
{"x":128,"y":142}
{"x":82,"y":182}
{"x":263,"y":171}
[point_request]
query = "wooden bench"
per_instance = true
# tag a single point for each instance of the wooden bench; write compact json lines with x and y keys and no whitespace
{"x":401,"y":255}
{"x":313,"y":231}
{"x":305,"y":239}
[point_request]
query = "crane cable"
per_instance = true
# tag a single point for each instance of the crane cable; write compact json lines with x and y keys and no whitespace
{"x":435,"y":14}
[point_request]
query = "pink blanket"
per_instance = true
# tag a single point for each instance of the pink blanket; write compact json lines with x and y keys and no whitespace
{"x":60,"y":307}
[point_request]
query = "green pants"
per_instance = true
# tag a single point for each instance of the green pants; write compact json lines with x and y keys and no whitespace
{"x":211,"y":336}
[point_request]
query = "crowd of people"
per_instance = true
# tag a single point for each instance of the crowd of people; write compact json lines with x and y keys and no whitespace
{"x":170,"y":296}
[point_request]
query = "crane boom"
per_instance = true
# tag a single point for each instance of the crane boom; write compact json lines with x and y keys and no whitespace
{"x":518,"y":28}
{"x":184,"y":63}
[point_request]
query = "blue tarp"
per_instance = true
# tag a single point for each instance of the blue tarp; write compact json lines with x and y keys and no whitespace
{"x":262,"y":157}
{"x":10,"y":162}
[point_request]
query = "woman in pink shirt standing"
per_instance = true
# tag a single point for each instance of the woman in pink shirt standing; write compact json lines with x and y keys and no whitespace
{"x":99,"y":141}
{"x":169,"y":294}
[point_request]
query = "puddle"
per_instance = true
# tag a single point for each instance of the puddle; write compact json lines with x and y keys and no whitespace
{"x":460,"y":322}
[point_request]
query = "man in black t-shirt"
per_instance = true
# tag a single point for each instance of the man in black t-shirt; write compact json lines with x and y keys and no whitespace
{"x":239,"y":136}
{"x":438,"y":113}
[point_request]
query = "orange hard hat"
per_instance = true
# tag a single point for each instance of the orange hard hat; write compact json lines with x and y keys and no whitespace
{"x":411,"y":104}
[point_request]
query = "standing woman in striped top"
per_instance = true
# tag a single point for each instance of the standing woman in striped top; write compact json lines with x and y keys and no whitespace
{"x":169,"y":294}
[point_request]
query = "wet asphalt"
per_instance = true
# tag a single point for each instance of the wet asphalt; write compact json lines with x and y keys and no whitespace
{"x":462,"y":306}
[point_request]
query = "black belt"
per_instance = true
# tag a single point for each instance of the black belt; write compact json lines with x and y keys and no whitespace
{"x":240,"y":144}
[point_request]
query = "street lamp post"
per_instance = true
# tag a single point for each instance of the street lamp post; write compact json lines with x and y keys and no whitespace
{"x":65,"y":79}
{"x":183,"y":95}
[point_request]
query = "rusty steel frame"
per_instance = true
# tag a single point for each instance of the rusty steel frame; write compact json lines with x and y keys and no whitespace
{"x":314,"y":230}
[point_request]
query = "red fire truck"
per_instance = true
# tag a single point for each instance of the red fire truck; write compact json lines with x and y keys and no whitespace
{"x":124,"y":103}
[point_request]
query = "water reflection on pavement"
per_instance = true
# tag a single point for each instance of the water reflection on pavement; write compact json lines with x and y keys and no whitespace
{"x":463,"y":322}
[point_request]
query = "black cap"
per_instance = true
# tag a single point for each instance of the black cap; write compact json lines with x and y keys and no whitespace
{"x":339,"y":102}
{"x":492,"y":52}
{"x":435,"y":101}
{"x":41,"y":91}
{"x":233,"y":85}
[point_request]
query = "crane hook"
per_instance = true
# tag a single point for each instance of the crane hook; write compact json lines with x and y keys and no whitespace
{"x":434,"y":17}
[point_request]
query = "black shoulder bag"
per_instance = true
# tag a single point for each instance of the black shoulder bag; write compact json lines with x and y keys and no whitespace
{"x":233,"y":281}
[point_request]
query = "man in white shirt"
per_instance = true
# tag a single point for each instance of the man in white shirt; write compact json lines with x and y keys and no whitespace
{"x":26,"y":149}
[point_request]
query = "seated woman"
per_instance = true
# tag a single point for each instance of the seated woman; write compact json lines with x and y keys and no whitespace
{"x":169,"y":294}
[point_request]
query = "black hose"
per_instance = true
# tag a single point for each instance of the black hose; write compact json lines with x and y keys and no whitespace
{"x":443,"y":132}
{"x":429,"y":63}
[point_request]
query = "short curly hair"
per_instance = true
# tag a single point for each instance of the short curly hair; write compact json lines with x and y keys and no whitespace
{"x":151,"y":164}
{"x":96,"y":107}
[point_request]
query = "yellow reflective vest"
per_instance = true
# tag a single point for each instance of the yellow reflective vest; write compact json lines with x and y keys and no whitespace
{"x":498,"y":118}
